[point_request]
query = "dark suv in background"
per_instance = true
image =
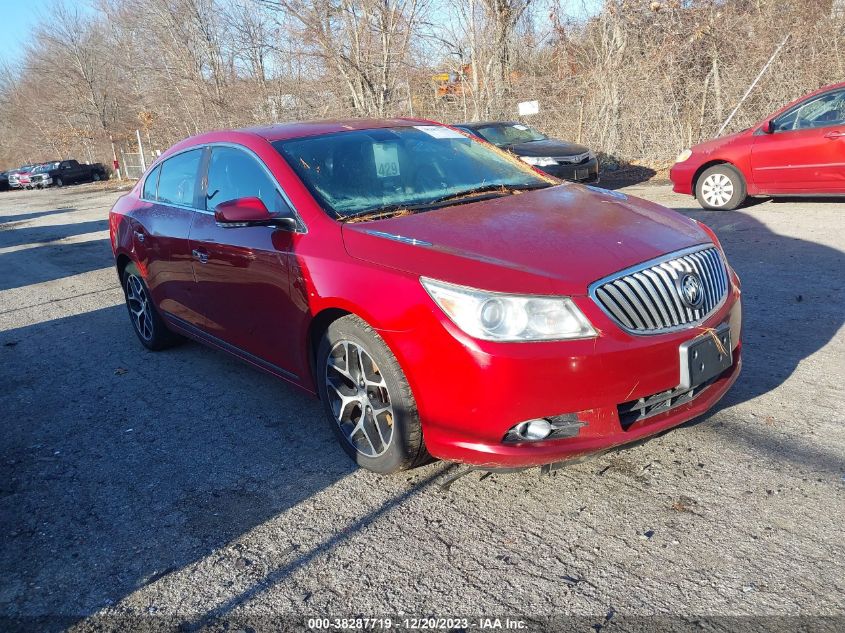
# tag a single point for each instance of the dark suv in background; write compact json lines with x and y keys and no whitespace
{"x":561,"y":159}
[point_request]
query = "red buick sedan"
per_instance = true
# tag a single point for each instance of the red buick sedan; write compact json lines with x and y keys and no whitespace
{"x":799,"y":150}
{"x":439,"y":296}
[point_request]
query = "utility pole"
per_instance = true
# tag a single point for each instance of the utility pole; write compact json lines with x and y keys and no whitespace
{"x":141,"y":152}
{"x":115,"y":164}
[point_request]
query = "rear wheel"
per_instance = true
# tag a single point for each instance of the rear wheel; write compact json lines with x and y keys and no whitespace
{"x":720,"y":187}
{"x":367,"y":400}
{"x":96,"y":177}
{"x":146,"y":321}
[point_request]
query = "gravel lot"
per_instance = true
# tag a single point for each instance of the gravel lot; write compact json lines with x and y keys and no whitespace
{"x":184,"y":488}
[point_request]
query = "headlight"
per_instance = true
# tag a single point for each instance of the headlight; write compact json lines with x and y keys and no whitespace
{"x":539,"y":161}
{"x":683,"y":156}
{"x":496,"y":316}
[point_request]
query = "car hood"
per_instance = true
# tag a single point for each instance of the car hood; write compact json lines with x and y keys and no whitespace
{"x":546,"y":147}
{"x":550,"y":241}
{"x":711,"y":146}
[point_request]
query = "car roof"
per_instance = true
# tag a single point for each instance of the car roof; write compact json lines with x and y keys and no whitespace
{"x":284,"y":131}
{"x":477,"y":124}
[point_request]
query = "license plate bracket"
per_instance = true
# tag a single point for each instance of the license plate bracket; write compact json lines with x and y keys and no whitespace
{"x":703,"y":358}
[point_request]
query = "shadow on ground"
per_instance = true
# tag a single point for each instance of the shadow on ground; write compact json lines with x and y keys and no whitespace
{"x":134,"y":464}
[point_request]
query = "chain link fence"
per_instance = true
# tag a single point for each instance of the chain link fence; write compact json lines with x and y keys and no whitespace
{"x":131,"y":165}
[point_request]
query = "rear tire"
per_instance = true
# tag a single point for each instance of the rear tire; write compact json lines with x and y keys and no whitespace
{"x":148,"y":325}
{"x":367,"y":399}
{"x":721,"y":188}
{"x":96,"y":177}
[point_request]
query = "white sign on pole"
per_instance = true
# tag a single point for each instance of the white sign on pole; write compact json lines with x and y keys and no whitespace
{"x":526,"y":108}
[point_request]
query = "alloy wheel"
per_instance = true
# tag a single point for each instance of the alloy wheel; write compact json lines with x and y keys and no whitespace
{"x":359,"y":398}
{"x":717,"y":190}
{"x":140,"y":307}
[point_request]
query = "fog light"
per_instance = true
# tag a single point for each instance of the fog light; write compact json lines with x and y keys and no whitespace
{"x":535,"y":429}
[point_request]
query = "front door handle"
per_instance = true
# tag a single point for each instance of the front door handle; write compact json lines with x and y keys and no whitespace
{"x":200,"y":256}
{"x":835,"y":134}
{"x":139,"y":235}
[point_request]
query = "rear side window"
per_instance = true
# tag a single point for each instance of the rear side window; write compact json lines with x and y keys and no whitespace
{"x":178,"y":179}
{"x":233,"y":174}
{"x":151,"y":184}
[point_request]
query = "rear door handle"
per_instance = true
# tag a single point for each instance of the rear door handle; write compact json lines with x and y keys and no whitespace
{"x":836,"y":134}
{"x":200,"y":256}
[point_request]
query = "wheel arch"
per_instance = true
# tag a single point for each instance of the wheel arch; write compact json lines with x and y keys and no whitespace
{"x":316,"y":329}
{"x":713,"y":163}
{"x":121,"y":262}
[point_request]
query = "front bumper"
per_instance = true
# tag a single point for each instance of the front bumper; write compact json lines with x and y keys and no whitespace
{"x":470,"y":393}
{"x":583,"y":172}
{"x":681,"y":175}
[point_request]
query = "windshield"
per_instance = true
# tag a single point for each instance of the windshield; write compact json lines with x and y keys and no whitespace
{"x":45,"y":167}
{"x":364,"y":171}
{"x":503,"y":134}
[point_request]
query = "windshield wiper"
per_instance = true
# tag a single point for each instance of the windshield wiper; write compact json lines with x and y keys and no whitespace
{"x":460,"y":197}
{"x":470,"y":194}
{"x":392,"y":211}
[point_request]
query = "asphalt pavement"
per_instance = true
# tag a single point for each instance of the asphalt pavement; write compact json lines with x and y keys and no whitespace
{"x":187,"y":489}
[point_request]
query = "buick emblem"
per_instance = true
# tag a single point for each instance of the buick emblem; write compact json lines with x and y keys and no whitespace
{"x":692,"y":293}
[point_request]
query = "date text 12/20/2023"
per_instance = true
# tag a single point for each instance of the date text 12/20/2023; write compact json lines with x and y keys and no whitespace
{"x":416,"y":623}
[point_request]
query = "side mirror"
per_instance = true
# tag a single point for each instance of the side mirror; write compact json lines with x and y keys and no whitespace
{"x":249,"y":211}
{"x":767,"y":127}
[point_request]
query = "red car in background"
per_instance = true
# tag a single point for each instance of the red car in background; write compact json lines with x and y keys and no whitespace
{"x":799,"y":150}
{"x":440,"y":296}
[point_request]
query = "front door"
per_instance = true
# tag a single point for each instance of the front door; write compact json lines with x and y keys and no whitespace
{"x":805,"y":153}
{"x":243,"y":272}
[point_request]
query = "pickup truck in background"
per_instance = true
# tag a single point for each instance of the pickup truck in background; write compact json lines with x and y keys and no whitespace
{"x":66,"y":172}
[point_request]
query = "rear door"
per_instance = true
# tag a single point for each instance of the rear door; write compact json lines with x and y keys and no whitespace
{"x":161,"y":226}
{"x":243,"y":272}
{"x":805,"y":153}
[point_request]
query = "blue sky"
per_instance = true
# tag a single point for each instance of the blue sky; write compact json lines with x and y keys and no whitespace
{"x":17,"y":19}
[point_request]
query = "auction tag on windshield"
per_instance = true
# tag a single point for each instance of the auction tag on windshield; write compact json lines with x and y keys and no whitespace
{"x":387,"y":159}
{"x":438,"y":131}
{"x":519,"y":126}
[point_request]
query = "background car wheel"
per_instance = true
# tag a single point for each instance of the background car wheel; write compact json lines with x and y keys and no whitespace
{"x":146,"y":321}
{"x":59,"y":182}
{"x":720,"y":187}
{"x":367,"y":399}
{"x":96,"y":177}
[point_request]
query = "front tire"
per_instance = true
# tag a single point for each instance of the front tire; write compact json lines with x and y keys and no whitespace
{"x":96,"y":177}
{"x":367,"y":399}
{"x":148,"y":325}
{"x":59,"y":182}
{"x":721,"y":188}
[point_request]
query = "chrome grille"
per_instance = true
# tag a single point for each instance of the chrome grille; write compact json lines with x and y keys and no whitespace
{"x":646,"y":299}
{"x":573,"y":160}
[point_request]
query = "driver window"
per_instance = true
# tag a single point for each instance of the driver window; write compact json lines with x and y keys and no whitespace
{"x":233,"y":174}
{"x":823,"y":111}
